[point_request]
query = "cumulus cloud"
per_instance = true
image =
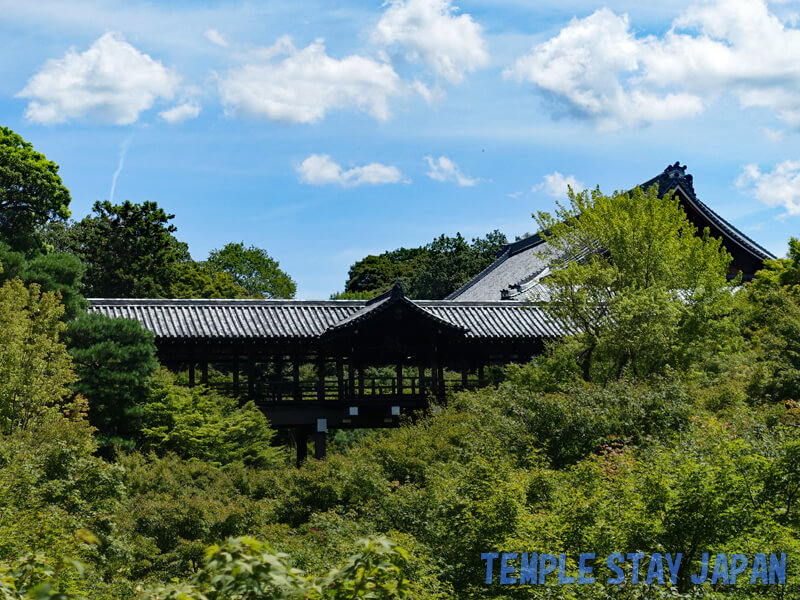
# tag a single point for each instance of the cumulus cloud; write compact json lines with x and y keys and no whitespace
{"x":215,"y":37}
{"x":779,"y":187}
{"x":430,"y":31}
{"x":557,"y":185}
{"x":180,"y":113}
{"x":598,"y":68}
{"x":443,"y":169}
{"x":111,"y":81}
{"x":321,"y":169}
{"x":301,"y":86}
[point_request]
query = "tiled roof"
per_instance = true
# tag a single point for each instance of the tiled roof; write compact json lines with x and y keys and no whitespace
{"x":310,"y":319}
{"x":519,"y":266}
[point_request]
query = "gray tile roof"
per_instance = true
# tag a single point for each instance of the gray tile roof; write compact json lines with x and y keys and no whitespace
{"x":519,"y":266}
{"x":309,"y":319}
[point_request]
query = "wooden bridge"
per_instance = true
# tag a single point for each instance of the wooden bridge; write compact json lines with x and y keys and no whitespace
{"x":318,"y":365}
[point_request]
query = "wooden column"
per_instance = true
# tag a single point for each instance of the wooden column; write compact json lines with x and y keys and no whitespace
{"x":319,"y":445}
{"x":464,"y":375}
{"x":421,"y":373}
{"x":205,"y":372}
{"x":399,"y":371}
{"x":301,"y":441}
{"x":279,"y":377}
{"x":481,"y":374}
{"x":235,"y":368}
{"x":298,"y":393}
{"x":440,"y":377}
{"x":360,"y":381}
{"x":340,"y":377}
{"x":191,"y":374}
{"x":351,"y":377}
{"x":320,"y":378}
{"x":251,"y":377}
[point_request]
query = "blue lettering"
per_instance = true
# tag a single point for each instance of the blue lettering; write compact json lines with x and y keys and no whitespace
{"x":527,"y":571}
{"x":611,"y":563}
{"x":584,"y":570}
{"x":720,"y":569}
{"x":738,"y":565}
{"x":699,"y":578}
{"x":489,"y":558}
{"x":674,"y":567}
{"x":635,"y":557}
{"x":547,"y":564}
{"x":759,"y":569}
{"x":507,"y":570}
{"x":777,"y":569}
{"x":656,"y":570}
{"x":562,"y":570}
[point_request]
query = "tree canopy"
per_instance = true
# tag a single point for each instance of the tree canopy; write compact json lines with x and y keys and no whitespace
{"x":645,"y":288}
{"x":31,"y":191}
{"x":253,"y":270}
{"x":128,"y":249}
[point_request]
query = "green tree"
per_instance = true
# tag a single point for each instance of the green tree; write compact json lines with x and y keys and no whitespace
{"x":198,"y":423}
{"x":644,"y":288}
{"x":114,"y":359}
{"x":35,"y":368}
{"x":31,"y":191}
{"x":252,"y":269}
{"x":452,"y":261}
{"x":128,"y":249}
{"x":196,"y":280}
{"x":375,"y":274}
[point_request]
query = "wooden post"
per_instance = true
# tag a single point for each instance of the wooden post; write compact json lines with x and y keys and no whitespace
{"x":481,"y":375}
{"x":464,"y":375}
{"x":279,"y":377}
{"x":421,"y":373}
{"x":251,"y":377}
{"x":340,"y":377}
{"x":399,"y":371}
{"x":319,"y":445}
{"x":191,"y":374}
{"x":360,"y":381}
{"x":320,"y":378}
{"x":435,"y":376}
{"x":298,"y":394}
{"x":205,"y":372}
{"x":235,"y":375}
{"x":351,"y":377}
{"x":440,"y":377}
{"x":301,"y":441}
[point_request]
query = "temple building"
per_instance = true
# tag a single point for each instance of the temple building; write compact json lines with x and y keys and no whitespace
{"x":315,"y":365}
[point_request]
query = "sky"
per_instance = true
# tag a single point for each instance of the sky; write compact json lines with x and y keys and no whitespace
{"x":325,"y":131}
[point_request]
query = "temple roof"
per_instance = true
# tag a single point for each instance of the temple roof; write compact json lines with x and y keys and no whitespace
{"x":211,"y":320}
{"x":520,"y":267}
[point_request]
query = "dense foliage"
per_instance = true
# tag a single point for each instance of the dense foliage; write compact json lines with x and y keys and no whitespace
{"x":432,"y":271}
{"x":253,"y":270}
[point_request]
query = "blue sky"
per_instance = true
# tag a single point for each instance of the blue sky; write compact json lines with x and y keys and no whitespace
{"x":325,"y":131}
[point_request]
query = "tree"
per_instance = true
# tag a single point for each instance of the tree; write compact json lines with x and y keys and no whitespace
{"x":128,"y":249}
{"x":114,"y":359}
{"x":31,"y":191}
{"x":643,"y":288}
{"x":252,"y":269}
{"x":35,"y":368}
{"x":375,"y":274}
{"x":196,"y":280}
{"x":450,"y":262}
{"x":198,"y":423}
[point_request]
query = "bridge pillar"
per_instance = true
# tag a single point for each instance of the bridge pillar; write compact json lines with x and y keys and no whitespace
{"x":301,"y":442}
{"x":320,"y":444}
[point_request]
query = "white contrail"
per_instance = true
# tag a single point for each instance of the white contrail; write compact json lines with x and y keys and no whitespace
{"x":123,"y":150}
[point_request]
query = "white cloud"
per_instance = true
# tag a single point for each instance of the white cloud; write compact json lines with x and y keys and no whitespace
{"x":557,"y":185}
{"x":780,"y":187}
{"x":773,"y":135}
{"x":111,"y":81}
{"x":305,"y":84}
{"x":181,"y":112}
{"x":320,"y":169}
{"x":443,"y":169}
{"x":431,"y":32}
{"x":599,"y":69}
{"x":215,"y":37}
